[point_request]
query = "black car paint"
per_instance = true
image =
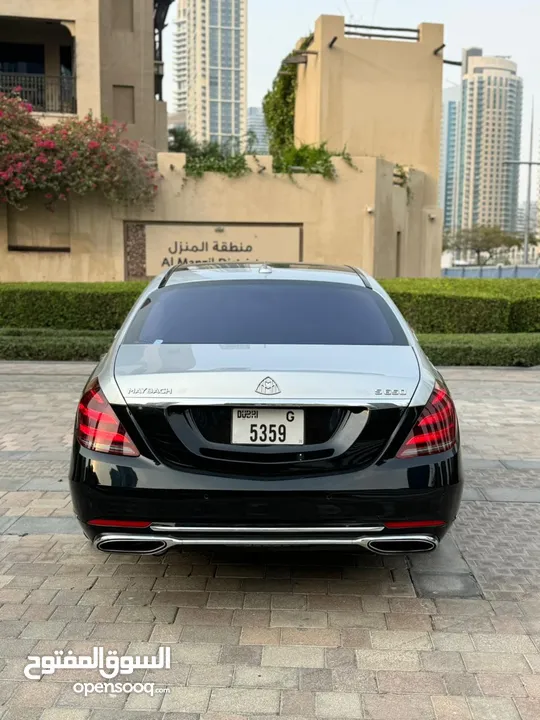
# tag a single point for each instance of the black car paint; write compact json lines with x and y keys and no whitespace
{"x":103,"y":487}
{"x":317,"y":495}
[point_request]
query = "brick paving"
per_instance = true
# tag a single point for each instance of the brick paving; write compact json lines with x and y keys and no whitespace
{"x":450,"y":635}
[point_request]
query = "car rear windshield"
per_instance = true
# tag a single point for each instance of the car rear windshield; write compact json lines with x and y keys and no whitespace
{"x":266,"y":312}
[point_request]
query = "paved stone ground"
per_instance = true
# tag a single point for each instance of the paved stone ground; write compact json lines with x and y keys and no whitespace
{"x":454,"y":635}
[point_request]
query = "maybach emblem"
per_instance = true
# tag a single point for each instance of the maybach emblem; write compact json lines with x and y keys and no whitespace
{"x":268,"y":387}
{"x":150,"y":391}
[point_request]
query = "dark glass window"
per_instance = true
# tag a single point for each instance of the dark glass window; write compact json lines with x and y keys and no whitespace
{"x":214,"y":46}
{"x":214,"y":84}
{"x":226,"y":13}
{"x":214,"y":12}
{"x":266,"y":312}
{"x":22,"y":58}
{"x":66,"y":60}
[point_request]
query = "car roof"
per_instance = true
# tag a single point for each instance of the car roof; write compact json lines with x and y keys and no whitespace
{"x":180,"y":274}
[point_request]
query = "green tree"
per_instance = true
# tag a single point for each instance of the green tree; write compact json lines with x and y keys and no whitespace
{"x":181,"y":141}
{"x":482,"y":240}
{"x":279,"y":105}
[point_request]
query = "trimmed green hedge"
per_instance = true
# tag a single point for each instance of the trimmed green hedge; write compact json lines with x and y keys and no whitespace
{"x":52,"y":344}
{"x":501,"y":350}
{"x":70,"y":306}
{"x":443,"y":305}
{"x":525,"y":315}
{"x":504,"y":350}
{"x":439,"y":305}
{"x":440,"y":313}
{"x":53,"y":333}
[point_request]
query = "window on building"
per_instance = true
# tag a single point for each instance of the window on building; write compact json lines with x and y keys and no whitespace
{"x":226,"y":57}
{"x":214,"y":12}
{"x":66,"y":60}
{"x":122,"y":15}
{"x":226,"y":85}
{"x":214,"y":117}
{"x":237,"y":48}
{"x":226,"y":48}
{"x":214,"y":46}
{"x":22,"y":58}
{"x":226,"y":13}
{"x":214,"y":84}
{"x":226,"y":118}
{"x":124,"y":103}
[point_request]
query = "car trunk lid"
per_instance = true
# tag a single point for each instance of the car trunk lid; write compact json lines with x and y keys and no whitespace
{"x":267,"y":374}
{"x":182,"y":398}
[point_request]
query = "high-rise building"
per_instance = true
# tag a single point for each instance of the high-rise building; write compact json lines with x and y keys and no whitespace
{"x":449,"y":148}
{"x":211,"y":68}
{"x":257,"y":127}
{"x":180,"y":52}
{"x":489,"y":137}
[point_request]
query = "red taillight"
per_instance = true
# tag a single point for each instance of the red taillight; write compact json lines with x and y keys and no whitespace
{"x":436,"y":428}
{"x":99,"y":429}
{"x":120,"y":523}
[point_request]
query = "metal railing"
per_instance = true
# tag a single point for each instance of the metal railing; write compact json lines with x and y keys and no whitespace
{"x":382,"y":33}
{"x":45,"y":93}
{"x":492,"y":271}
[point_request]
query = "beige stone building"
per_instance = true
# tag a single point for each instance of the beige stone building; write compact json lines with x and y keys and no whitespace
{"x":379,"y":98}
{"x":374,"y":95}
{"x":361,"y":218}
{"x":72,"y":57}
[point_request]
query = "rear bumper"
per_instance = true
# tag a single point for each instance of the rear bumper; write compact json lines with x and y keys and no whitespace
{"x":385,"y":544}
{"x":355,"y":502}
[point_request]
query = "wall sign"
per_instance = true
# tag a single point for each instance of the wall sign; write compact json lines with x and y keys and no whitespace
{"x":181,"y":244}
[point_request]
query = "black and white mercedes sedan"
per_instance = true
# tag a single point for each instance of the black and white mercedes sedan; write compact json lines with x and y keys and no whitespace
{"x":265,"y":405}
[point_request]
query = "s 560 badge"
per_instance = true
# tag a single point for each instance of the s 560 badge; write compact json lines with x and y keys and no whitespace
{"x":390,"y":391}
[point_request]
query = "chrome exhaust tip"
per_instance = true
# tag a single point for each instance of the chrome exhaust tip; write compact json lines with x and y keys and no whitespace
{"x":404,"y":545}
{"x":139,"y":545}
{"x":148,"y":545}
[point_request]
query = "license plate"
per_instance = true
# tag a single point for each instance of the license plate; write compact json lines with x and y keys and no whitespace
{"x":267,"y":427}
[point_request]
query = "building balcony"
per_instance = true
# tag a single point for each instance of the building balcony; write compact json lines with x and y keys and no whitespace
{"x":37,"y":60}
{"x":46,"y":93}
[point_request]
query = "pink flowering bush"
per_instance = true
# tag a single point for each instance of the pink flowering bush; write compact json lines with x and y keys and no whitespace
{"x":71,"y":157}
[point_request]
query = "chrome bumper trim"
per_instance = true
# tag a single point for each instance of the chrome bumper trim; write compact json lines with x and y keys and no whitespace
{"x":164,"y":542}
{"x":166,"y":527}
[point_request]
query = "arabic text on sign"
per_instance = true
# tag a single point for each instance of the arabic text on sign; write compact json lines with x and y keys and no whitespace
{"x":178,"y":248}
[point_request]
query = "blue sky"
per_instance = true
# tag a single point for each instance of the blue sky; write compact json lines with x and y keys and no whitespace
{"x":500,"y":27}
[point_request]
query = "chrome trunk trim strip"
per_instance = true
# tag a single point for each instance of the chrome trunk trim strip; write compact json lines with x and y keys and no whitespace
{"x":171,"y":527}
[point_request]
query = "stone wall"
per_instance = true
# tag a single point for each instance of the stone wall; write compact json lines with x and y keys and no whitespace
{"x":360,"y":219}
{"x":376,"y":97}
